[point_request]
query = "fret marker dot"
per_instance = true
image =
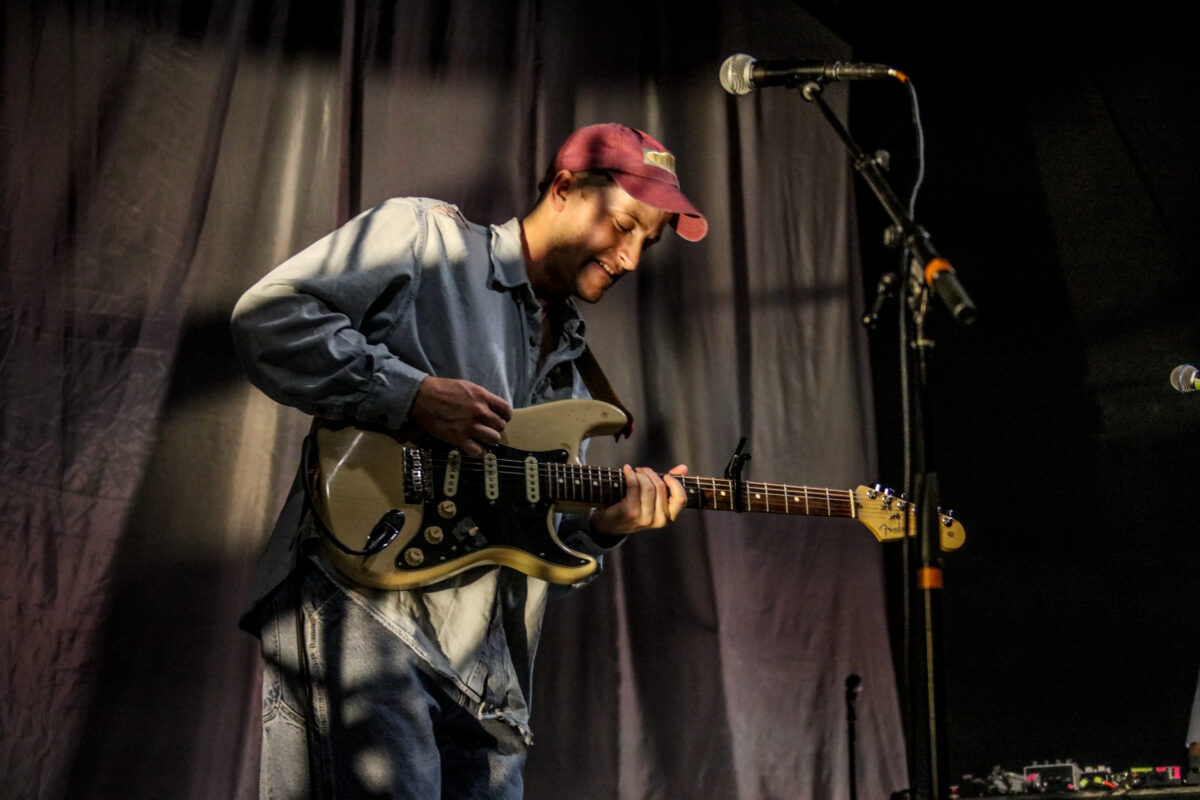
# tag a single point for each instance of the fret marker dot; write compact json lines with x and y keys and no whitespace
{"x":722,"y":494}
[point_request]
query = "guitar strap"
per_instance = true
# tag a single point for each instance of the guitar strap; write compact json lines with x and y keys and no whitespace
{"x":597,"y":384}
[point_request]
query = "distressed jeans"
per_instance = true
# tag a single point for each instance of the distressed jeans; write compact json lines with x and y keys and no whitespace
{"x":379,"y":726}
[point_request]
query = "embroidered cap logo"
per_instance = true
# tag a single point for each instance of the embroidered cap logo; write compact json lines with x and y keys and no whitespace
{"x":657,"y":158}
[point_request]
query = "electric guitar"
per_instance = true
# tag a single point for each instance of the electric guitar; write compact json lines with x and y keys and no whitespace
{"x":400,"y":513}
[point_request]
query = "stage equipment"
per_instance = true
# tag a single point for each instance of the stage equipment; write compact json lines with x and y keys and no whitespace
{"x":742,"y":74}
{"x":1056,"y":776}
{"x":1184,"y":378}
{"x":853,"y":687}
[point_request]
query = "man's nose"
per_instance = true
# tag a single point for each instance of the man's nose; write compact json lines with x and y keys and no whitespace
{"x":628,"y":256}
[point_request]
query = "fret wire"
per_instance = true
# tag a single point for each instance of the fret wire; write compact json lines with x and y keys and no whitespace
{"x":606,"y":485}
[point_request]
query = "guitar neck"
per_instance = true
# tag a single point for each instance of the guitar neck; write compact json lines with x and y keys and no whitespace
{"x":718,"y":494}
{"x":606,"y":485}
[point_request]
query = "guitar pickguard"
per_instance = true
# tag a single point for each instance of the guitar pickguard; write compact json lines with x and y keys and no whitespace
{"x":456,"y":526}
{"x":366,"y":474}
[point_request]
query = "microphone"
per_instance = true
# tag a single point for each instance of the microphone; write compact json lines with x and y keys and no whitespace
{"x":1184,"y":378}
{"x":741,"y":74}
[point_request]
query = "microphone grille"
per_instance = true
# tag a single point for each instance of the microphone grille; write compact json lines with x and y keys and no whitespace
{"x":735,"y":74}
{"x":1183,"y":378}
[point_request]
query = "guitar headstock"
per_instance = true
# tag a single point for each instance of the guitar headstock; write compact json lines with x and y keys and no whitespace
{"x":884,"y":513}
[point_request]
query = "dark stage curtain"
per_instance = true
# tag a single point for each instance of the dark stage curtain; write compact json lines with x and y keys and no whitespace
{"x":159,"y":157}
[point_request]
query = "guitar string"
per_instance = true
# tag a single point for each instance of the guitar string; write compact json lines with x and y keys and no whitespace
{"x":612,"y":475}
{"x":601,"y":480}
{"x":509,"y":467}
{"x":516,"y":468}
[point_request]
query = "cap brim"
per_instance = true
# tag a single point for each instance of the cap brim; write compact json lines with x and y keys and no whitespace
{"x":689,"y":224}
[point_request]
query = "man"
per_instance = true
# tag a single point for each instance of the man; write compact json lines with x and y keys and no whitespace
{"x":411,"y":314}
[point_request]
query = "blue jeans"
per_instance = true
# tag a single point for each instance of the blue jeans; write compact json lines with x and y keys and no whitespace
{"x":380,"y":726}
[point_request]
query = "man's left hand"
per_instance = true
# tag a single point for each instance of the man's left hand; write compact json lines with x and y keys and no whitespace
{"x":651,"y":501}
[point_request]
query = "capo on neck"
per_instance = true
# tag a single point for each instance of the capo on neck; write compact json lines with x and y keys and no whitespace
{"x":733,"y":473}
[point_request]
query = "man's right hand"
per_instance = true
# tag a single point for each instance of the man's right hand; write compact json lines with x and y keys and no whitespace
{"x":460,"y":413}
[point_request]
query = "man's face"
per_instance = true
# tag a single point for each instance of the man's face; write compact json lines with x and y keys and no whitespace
{"x":600,"y":234}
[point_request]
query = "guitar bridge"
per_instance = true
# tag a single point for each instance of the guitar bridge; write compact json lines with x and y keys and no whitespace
{"x":418,"y":476}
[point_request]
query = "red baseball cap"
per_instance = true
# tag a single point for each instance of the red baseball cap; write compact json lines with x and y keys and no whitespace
{"x":639,"y":164}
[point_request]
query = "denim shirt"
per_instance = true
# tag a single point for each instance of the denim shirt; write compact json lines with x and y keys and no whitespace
{"x":347,"y":329}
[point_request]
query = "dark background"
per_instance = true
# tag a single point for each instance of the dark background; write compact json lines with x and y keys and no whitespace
{"x":1061,"y":183}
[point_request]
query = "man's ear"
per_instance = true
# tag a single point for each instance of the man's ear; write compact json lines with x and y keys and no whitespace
{"x":560,"y":186}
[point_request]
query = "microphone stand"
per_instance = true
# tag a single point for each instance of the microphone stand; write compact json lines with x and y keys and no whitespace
{"x":929,"y":274}
{"x":853,"y":687}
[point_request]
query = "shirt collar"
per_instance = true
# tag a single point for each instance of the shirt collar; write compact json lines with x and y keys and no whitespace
{"x":508,"y":258}
{"x":508,"y":273}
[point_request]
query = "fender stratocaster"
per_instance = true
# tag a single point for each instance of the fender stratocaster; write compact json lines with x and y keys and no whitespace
{"x":402,"y":513}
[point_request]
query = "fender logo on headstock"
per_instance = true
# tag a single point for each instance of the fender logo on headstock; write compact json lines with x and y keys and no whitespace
{"x":884,"y":514}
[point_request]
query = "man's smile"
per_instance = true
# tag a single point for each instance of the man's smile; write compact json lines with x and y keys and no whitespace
{"x":612,"y":273}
